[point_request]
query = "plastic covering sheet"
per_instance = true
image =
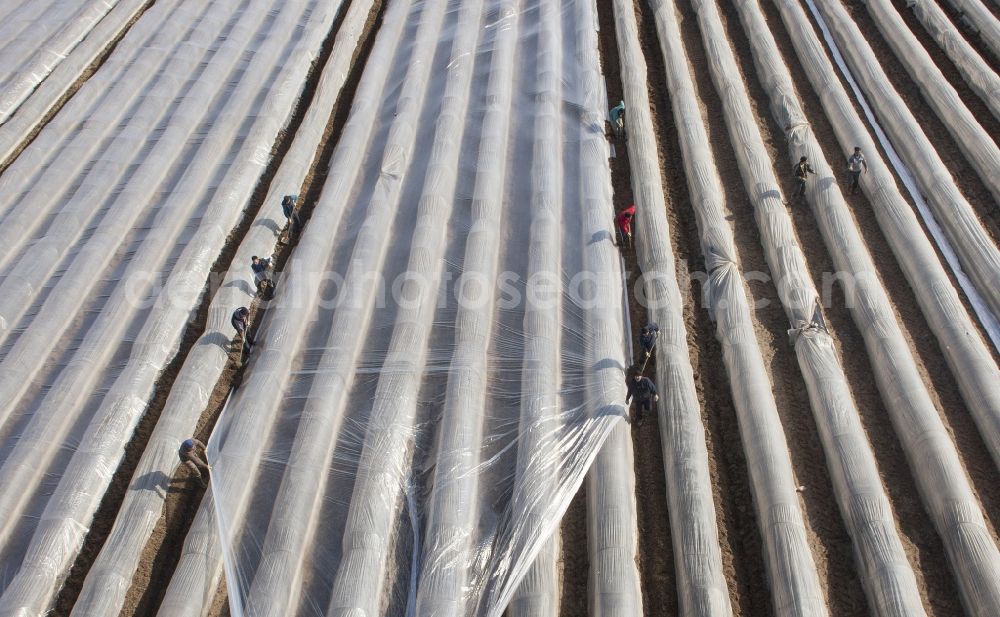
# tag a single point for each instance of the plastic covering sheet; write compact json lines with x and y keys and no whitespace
{"x":111,"y":574}
{"x":21,"y":121}
{"x":113,"y":256}
{"x":971,"y":137}
{"x":977,"y":253}
{"x":701,"y":584}
{"x":443,"y":357}
{"x":975,"y":14}
{"x":36,"y":37}
{"x":795,"y":588}
{"x":975,"y":70}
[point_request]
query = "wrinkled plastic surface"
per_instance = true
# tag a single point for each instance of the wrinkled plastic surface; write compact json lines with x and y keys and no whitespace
{"x":885,"y":572}
{"x":976,"y":15}
{"x":933,"y":458}
{"x":967,"y":353}
{"x":109,"y":261}
{"x":701,"y":584}
{"x":443,"y":358}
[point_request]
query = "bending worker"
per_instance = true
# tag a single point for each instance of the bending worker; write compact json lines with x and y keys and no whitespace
{"x":261,"y":276}
{"x":241,"y":321}
{"x":623,"y":220}
{"x":188,"y":453}
{"x":650,"y":332}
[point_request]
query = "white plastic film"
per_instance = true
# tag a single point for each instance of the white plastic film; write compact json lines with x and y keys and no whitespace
{"x":24,"y":120}
{"x":942,"y":481}
{"x":890,"y":583}
{"x":965,"y":350}
{"x":45,"y":52}
{"x":612,"y":526}
{"x":193,"y":585}
{"x":392,"y":454}
{"x":701,"y":584}
{"x":539,"y":593}
{"x":975,"y":71}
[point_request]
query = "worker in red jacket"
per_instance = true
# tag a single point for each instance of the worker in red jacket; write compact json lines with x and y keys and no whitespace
{"x":623,"y":220}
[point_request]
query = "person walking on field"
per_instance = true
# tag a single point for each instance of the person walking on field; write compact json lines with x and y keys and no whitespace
{"x":188,"y":453}
{"x":802,"y":171}
{"x":643,"y":391}
{"x":623,"y":220}
{"x":855,"y":164}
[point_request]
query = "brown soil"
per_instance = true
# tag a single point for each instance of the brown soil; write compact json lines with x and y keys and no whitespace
{"x":574,"y":563}
{"x":737,"y":525}
{"x":183,"y":497}
{"x":936,"y":374}
{"x":92,"y":68}
{"x":825,"y":530}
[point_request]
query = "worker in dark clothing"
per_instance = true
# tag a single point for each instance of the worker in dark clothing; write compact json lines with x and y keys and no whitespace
{"x":855,"y":164}
{"x":623,"y":220}
{"x":188,"y":453}
{"x":292,"y":222}
{"x":241,"y":321}
{"x":261,"y":276}
{"x":644,"y":391}
{"x":802,"y":171}
{"x":650,"y":332}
